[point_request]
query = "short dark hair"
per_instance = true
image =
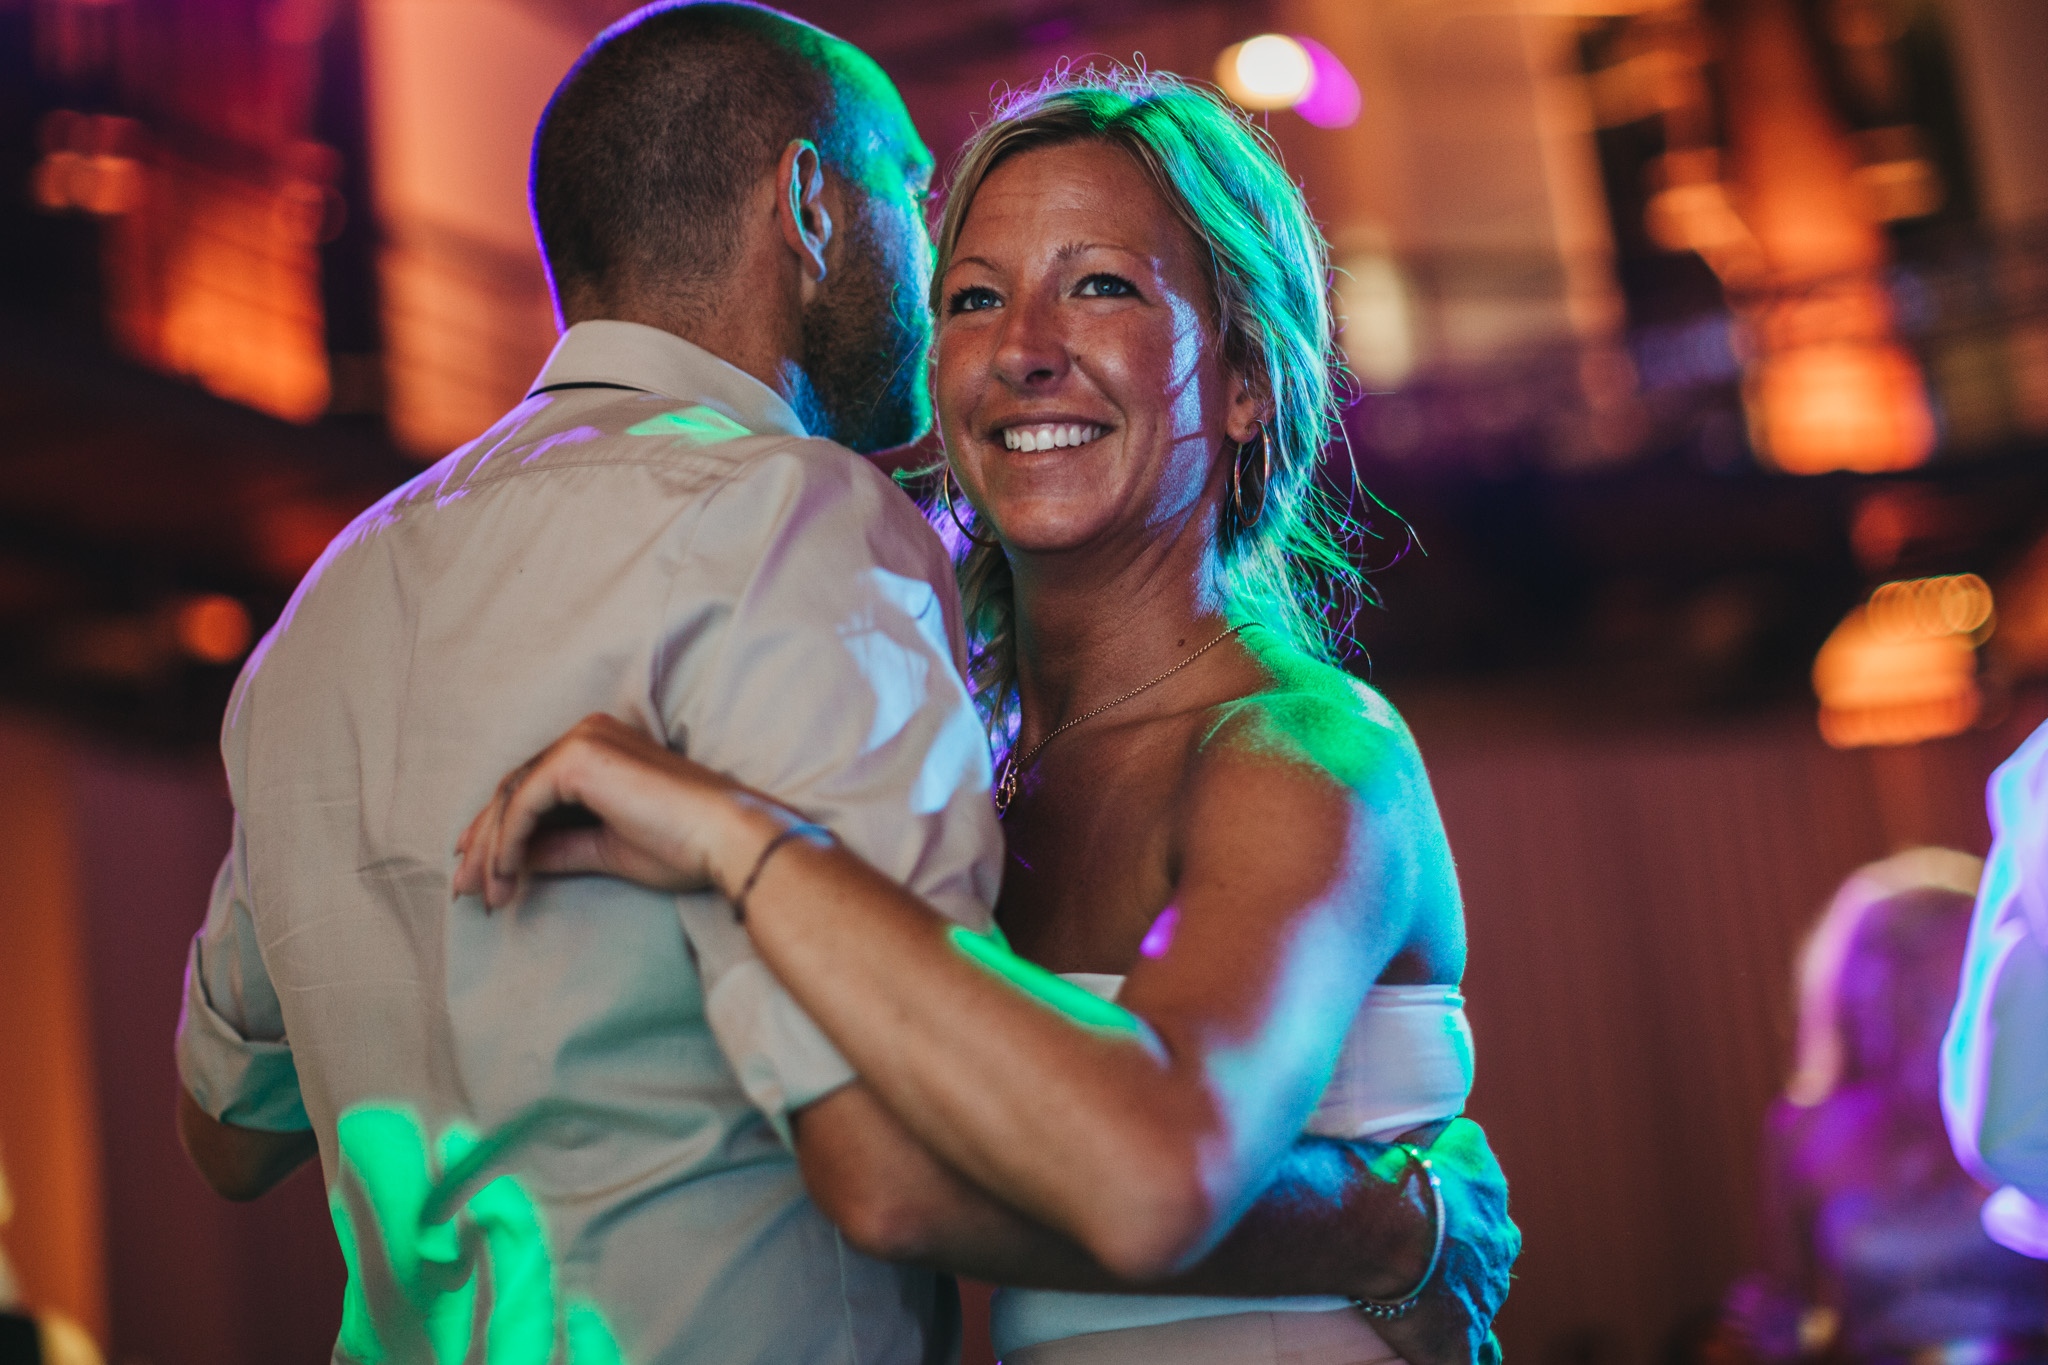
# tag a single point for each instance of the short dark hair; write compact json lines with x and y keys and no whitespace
{"x":644,"y":156}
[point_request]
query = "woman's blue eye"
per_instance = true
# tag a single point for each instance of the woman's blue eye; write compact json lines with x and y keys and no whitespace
{"x":1107,"y":287}
{"x":972,"y":299}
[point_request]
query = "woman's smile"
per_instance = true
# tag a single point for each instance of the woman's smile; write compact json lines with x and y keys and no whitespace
{"x":1051,"y":435}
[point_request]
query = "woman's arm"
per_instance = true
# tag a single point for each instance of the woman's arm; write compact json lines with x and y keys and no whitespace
{"x":1346,"y":1218}
{"x":1312,"y":858}
{"x":1337,"y":1217}
{"x":1142,"y":1132}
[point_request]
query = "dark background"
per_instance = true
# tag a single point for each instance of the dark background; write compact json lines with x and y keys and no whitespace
{"x":263,"y":260}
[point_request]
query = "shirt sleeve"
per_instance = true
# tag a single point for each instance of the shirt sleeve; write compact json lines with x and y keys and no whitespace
{"x":819,"y":660}
{"x":232,"y":1054}
{"x":1995,"y":1058}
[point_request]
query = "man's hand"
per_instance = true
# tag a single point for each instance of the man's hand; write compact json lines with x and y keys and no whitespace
{"x":1355,"y":1218}
{"x":239,"y":1163}
{"x":1453,"y":1323}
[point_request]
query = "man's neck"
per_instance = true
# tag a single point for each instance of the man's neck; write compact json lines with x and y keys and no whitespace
{"x":740,"y":326}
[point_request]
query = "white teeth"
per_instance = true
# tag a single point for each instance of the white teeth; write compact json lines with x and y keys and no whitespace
{"x":1051,"y":435}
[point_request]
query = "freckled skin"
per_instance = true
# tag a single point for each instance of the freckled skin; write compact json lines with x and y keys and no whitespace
{"x":1097,"y":837}
{"x":1076,"y":294}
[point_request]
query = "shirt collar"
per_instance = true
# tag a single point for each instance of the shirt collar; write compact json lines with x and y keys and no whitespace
{"x":640,"y":357}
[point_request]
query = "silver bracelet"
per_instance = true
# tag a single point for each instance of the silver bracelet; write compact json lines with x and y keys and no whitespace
{"x":1385,"y":1309}
{"x":817,"y":834}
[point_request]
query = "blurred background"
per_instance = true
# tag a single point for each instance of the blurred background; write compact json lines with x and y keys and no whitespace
{"x":1702,"y":343}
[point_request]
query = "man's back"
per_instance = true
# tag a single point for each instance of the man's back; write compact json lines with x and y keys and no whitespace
{"x":682,"y":560}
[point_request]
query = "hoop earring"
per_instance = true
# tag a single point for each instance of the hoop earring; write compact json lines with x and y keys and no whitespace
{"x":1246,"y":525}
{"x":946,"y":496}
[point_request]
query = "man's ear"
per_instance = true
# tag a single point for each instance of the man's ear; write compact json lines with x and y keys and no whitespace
{"x":800,"y":210}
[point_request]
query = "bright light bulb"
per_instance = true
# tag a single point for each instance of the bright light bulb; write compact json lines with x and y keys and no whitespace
{"x":1271,"y":71}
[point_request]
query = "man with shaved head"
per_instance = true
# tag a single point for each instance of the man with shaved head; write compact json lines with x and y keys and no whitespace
{"x":648,"y":194}
{"x":578,"y":1130}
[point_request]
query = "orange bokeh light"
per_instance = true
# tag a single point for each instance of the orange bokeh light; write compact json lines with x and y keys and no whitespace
{"x":1903,"y":668}
{"x":1844,"y":405}
{"x":213,"y":629}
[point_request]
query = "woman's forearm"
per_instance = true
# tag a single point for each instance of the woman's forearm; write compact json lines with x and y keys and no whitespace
{"x":1337,"y":1217}
{"x":896,"y":1201}
{"x":1087,"y":1125}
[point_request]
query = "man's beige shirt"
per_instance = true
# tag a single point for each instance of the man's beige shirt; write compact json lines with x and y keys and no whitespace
{"x":650,"y":534}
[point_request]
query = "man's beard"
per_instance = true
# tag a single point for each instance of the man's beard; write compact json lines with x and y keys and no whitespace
{"x":864,"y":349}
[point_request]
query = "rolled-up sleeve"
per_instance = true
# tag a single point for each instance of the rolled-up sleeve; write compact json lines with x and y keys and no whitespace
{"x":1995,"y":1059}
{"x":816,"y":655}
{"x":233,"y":1057}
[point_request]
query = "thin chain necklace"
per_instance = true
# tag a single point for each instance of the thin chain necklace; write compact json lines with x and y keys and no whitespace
{"x":1006,"y":780}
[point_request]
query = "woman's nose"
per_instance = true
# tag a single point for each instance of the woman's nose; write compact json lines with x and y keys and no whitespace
{"x":1032,"y":353}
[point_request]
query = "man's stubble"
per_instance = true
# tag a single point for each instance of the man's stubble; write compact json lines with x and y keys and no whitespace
{"x":865,"y":338}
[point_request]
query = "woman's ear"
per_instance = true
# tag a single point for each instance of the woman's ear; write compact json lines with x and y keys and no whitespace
{"x":1249,"y":410}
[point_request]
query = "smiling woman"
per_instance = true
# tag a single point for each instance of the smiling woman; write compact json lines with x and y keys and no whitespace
{"x":1162,"y":189}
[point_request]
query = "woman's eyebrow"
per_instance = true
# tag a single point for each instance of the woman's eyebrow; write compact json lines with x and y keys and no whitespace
{"x":1063,"y":253}
{"x":1072,"y":249}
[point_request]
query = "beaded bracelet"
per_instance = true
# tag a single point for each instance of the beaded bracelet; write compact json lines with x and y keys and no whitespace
{"x":1385,"y":1309}
{"x":817,"y":834}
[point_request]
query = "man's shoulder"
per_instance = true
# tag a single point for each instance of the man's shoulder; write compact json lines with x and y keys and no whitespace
{"x":692,"y":448}
{"x":697,"y":443}
{"x":810,"y":486}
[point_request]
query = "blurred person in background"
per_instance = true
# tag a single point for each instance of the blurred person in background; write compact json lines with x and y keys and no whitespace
{"x":27,"y":1337}
{"x":1995,"y":1062}
{"x":1872,"y":1246}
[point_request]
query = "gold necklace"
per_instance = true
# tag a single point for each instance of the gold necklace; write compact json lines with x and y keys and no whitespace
{"x":1006,"y":780}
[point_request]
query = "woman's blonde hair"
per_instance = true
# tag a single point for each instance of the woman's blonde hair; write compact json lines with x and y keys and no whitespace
{"x":1823,"y":1057}
{"x":1269,"y":267}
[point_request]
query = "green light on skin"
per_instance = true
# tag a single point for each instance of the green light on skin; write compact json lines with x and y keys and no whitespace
{"x":430,"y":1244}
{"x":992,"y":954}
{"x":705,"y":426}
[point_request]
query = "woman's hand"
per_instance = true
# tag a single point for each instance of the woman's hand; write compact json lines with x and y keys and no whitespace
{"x":606,"y":798}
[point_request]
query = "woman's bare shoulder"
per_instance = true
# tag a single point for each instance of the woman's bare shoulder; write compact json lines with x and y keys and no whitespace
{"x":1315,"y":776}
{"x":1319,"y":719}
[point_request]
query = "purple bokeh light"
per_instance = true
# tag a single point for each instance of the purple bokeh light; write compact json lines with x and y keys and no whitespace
{"x":1333,"y":99}
{"x":1160,"y":936}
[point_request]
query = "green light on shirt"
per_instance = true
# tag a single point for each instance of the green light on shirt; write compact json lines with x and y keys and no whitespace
{"x":705,"y":426}
{"x":401,"y":1181}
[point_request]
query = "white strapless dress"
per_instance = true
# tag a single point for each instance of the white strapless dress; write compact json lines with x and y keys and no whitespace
{"x":1407,"y":1061}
